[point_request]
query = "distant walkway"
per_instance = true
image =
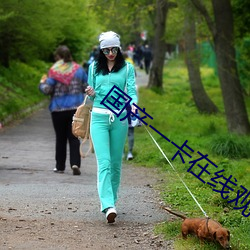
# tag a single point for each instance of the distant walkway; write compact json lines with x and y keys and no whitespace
{"x":141,"y":78}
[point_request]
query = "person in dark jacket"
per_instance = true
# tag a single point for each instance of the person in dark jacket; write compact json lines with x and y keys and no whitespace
{"x":147,"y":54}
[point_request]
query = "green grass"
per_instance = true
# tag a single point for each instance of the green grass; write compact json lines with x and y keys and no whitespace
{"x":231,"y":146}
{"x":175,"y":115}
{"x":19,"y":87}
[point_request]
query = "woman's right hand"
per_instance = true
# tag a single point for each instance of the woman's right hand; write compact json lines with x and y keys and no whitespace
{"x":90,"y":91}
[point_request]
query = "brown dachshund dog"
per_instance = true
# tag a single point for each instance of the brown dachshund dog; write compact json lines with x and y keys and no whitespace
{"x":204,"y":228}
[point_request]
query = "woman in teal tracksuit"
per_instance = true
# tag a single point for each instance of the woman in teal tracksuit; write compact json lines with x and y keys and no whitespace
{"x":107,"y":130}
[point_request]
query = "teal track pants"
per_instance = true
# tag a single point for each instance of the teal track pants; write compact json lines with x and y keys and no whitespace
{"x":108,"y":139}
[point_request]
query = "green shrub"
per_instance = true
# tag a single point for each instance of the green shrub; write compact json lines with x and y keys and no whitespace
{"x":19,"y":88}
{"x":231,"y":146}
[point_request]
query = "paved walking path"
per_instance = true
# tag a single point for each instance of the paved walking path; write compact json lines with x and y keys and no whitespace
{"x":34,"y":200}
{"x":141,"y":78}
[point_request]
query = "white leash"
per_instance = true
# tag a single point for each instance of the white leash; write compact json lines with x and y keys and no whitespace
{"x":176,"y":173}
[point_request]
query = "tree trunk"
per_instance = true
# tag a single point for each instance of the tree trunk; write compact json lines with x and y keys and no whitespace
{"x":235,"y":108}
{"x":201,"y":99}
{"x":223,"y":38}
{"x":159,"y":47}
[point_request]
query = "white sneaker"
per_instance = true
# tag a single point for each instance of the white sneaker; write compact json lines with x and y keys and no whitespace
{"x":58,"y":171}
{"x":130,"y":156}
{"x":111,"y":214}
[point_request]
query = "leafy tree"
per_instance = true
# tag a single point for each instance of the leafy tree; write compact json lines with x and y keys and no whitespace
{"x":175,"y":24}
{"x":78,"y":29}
{"x":241,"y":18}
{"x":156,"y":72}
{"x":201,"y":99}
{"x":28,"y":33}
{"x":181,"y":29}
{"x":221,"y":28}
{"x":242,"y":33}
{"x":22,"y":35}
{"x":126,"y":17}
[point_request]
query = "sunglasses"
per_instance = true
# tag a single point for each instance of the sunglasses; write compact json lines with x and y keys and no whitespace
{"x":106,"y":51}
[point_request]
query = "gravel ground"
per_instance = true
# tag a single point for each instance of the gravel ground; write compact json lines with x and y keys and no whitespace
{"x":43,"y":210}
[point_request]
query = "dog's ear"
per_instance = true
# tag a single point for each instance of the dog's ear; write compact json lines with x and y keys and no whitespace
{"x":228,"y":237}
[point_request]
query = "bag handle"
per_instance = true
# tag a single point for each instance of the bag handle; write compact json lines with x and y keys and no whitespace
{"x":91,"y":148}
{"x":85,"y":139}
{"x":85,"y":99}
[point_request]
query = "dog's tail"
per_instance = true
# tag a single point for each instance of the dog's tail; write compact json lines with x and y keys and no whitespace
{"x":175,"y":213}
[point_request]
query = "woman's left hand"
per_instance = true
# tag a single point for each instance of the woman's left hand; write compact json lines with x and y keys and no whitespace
{"x":90,"y":91}
{"x":134,"y":109}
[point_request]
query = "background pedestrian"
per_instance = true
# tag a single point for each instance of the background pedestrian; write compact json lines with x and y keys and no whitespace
{"x":147,"y":54}
{"x":65,"y":84}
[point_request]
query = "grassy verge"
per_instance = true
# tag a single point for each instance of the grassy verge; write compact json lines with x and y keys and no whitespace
{"x":19,"y":88}
{"x":176,"y":117}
